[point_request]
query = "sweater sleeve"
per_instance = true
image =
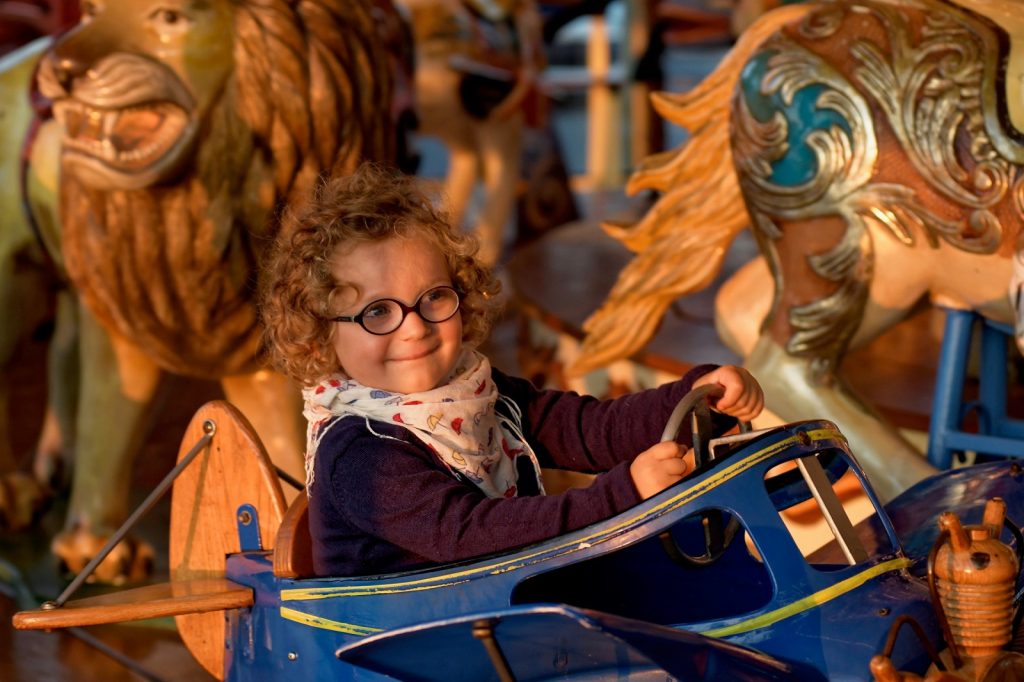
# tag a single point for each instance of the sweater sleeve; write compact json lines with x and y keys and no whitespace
{"x":582,"y":433}
{"x":395,"y":491}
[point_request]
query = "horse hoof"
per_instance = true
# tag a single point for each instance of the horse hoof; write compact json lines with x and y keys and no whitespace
{"x":22,"y":500}
{"x":130,"y":561}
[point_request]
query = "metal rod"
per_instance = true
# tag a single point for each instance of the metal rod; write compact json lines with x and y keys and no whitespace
{"x":740,"y":437}
{"x":484,"y":631}
{"x":890,"y":642}
{"x":288,"y":478}
{"x":832,"y":509}
{"x":106,"y":649}
{"x":209,"y":428}
{"x":25,"y":599}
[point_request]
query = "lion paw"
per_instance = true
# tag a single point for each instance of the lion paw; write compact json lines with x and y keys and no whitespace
{"x":131,"y":560}
{"x":22,"y":500}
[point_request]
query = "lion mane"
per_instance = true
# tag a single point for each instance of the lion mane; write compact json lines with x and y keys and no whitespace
{"x":172,"y":267}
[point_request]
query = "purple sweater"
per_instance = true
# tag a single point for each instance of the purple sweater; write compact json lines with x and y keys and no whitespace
{"x":378,"y":505}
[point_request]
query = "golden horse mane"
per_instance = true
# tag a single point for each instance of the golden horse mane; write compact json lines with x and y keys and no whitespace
{"x":681,"y":241}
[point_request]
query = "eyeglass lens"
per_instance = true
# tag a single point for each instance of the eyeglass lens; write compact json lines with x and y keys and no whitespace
{"x":385,"y":316}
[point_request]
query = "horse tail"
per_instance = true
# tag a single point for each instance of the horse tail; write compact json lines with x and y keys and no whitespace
{"x":681,"y":241}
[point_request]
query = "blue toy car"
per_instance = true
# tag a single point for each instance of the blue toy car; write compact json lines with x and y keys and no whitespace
{"x":704,"y":581}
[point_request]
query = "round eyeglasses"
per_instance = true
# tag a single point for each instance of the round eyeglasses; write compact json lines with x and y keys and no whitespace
{"x":385,"y":315}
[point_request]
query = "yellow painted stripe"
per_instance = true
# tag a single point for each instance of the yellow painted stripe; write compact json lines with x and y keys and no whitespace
{"x":764,"y":620}
{"x":448,"y":579}
{"x":812,"y":601}
{"x":326,"y":624}
{"x":364,"y":590}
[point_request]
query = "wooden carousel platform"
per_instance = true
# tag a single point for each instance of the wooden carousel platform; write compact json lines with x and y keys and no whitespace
{"x":561,"y":278}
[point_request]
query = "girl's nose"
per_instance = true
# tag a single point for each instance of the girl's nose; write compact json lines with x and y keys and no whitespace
{"x":414,"y":326}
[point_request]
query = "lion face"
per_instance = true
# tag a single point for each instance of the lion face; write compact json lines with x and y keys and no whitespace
{"x":132,"y":83}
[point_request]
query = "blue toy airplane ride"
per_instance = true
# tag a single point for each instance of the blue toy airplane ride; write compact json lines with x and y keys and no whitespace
{"x":704,"y":581}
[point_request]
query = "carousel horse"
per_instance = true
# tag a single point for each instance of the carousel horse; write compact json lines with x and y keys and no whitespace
{"x":178,"y":135}
{"x":876,"y":151}
{"x":476,"y":61}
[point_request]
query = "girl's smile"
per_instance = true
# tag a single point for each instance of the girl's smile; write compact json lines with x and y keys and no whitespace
{"x":418,"y":355}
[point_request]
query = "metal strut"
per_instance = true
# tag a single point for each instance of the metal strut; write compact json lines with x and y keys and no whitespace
{"x":484,"y":631}
{"x":209,"y":428}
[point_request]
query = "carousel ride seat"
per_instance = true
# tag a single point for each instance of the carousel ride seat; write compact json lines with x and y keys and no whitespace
{"x":293,"y":549}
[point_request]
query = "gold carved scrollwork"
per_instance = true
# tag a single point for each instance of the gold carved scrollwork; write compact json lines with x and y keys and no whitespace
{"x":845,"y":160}
{"x":822,"y":23}
{"x":1018,"y":201}
{"x":930,"y":95}
{"x":926,"y":77}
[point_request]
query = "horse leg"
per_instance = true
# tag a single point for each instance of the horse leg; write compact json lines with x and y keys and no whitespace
{"x":441,"y":115}
{"x":798,"y":354}
{"x":741,"y":304}
{"x":500,"y":144}
{"x":892,"y":463}
{"x":273,"y":405}
{"x":118,"y":382}
{"x":463,"y":169}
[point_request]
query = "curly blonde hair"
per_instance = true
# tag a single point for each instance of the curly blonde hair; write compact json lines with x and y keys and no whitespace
{"x":371,"y":205}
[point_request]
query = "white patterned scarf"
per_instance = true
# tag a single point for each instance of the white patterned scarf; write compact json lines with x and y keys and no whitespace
{"x":457,"y":421}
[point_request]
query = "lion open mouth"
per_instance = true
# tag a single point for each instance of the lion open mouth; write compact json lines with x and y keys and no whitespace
{"x":128,"y":139}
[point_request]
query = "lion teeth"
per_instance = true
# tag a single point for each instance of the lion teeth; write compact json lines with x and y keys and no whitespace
{"x":109,"y":119}
{"x":95,"y":131}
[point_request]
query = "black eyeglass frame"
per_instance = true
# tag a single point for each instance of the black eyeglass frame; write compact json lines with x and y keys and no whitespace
{"x":406,"y":309}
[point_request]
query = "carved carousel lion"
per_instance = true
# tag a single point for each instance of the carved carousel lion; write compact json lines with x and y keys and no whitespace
{"x":180,"y":131}
{"x":876,"y":150}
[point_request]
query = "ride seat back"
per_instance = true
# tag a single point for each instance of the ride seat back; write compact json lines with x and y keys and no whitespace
{"x":293,"y":548}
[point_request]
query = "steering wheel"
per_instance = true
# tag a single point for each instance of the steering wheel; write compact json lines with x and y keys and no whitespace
{"x":718,"y":532}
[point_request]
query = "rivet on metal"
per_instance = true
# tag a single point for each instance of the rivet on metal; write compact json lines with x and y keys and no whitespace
{"x":292,"y":656}
{"x":209,"y":427}
{"x":245,"y":518}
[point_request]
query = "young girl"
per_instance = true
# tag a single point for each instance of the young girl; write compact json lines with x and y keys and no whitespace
{"x":419,"y":452}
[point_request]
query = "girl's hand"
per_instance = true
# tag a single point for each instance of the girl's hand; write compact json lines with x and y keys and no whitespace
{"x":659,"y":466}
{"x":742,"y":399}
